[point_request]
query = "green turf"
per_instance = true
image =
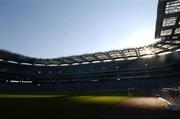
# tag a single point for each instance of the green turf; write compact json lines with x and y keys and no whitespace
{"x":59,"y":104}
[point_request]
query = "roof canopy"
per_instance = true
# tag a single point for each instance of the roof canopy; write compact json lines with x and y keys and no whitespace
{"x":168,"y":16}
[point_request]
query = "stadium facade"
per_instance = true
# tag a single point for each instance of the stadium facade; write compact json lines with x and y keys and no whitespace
{"x":146,"y":67}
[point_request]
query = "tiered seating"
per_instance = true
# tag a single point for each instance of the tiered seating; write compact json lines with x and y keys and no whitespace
{"x":141,"y":73}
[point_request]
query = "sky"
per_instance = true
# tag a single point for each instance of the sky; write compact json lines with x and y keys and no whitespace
{"x":58,"y":28}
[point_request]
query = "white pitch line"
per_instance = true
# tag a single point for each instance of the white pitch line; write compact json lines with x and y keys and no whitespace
{"x":160,"y":98}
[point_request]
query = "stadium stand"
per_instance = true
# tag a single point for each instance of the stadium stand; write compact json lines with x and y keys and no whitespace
{"x":99,"y":76}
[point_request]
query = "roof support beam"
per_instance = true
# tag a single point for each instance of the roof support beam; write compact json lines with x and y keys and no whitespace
{"x":122,"y":53}
{"x":150,"y":51}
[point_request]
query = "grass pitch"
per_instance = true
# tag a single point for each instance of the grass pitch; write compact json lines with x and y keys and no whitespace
{"x":73,"y":105}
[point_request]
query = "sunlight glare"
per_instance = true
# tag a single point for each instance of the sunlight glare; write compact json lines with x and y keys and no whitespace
{"x":140,"y":38}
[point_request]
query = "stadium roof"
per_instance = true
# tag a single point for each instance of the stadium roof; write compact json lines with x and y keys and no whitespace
{"x":167,"y":24}
{"x":167,"y":28}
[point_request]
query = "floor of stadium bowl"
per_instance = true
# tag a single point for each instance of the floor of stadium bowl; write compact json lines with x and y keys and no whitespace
{"x":141,"y":107}
{"x":82,"y":105}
